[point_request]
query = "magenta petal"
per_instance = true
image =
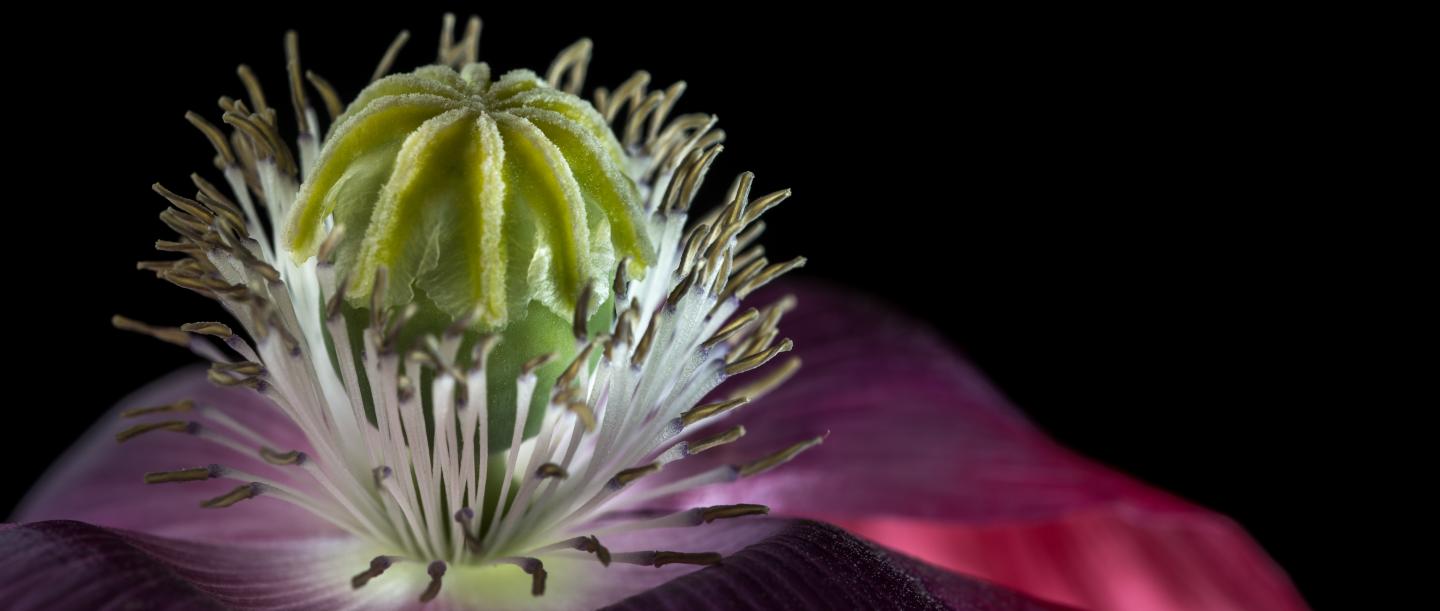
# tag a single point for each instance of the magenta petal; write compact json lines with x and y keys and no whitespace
{"x":926,"y":457}
{"x":62,"y":565}
{"x":809,"y":565}
{"x":101,"y":482}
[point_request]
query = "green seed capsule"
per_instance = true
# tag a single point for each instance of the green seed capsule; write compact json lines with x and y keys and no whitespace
{"x":497,"y":202}
{"x":474,"y":195}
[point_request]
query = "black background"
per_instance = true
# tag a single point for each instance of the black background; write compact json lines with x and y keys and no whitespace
{"x":1088,"y":207}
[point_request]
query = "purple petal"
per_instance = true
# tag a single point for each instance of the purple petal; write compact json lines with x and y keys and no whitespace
{"x":809,"y":565}
{"x":101,"y":481}
{"x":926,"y":457}
{"x":780,"y":564}
{"x":72,"y":565}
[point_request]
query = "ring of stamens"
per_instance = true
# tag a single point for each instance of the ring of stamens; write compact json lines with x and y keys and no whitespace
{"x":627,"y":405}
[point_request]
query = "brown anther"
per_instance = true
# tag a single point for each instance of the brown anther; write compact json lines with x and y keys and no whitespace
{"x":164,"y":334}
{"x":252,"y":87}
{"x":436,"y":571}
{"x":642,"y":349}
{"x":379,"y":474}
{"x":377,"y":566}
{"x":582,"y":411}
{"x":537,"y":579}
{"x":333,"y":106}
{"x":551,"y":469}
{"x":573,"y":370}
{"x":722,"y":512}
{"x":757,"y":359}
{"x":465,"y":516}
{"x":182,"y":246}
{"x":404,"y":388}
{"x":770,"y":273}
{"x":622,"y":280}
{"x":247,"y":368}
{"x":335,"y":306}
{"x":183,"y":475}
{"x":695,"y":447}
{"x":574,"y":59}
{"x":379,"y":287}
{"x":592,"y":545}
{"x":730,"y":328}
{"x":293,"y":457}
{"x":701,"y":412}
{"x":767,"y":463}
{"x":297,"y":86}
{"x":683,"y":287}
{"x":629,"y":475}
{"x":765,"y":203}
{"x":772,"y":379}
{"x":465,"y":322}
{"x":240,"y":493}
{"x":183,"y":405}
{"x":483,"y":346}
{"x":537,"y":362}
{"x":175,"y":426}
{"x":747,"y":255}
{"x":213,"y":329}
{"x":579,"y":323}
{"x":326,"y":252}
{"x":185,"y":204}
{"x":391,"y":52}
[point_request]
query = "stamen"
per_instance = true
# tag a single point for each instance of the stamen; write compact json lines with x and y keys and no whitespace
{"x":532,"y":566}
{"x":584,"y":413}
{"x":465,"y":516}
{"x":772,"y":379}
{"x":240,"y":493}
{"x":213,"y":329}
{"x":757,"y":359}
{"x":293,"y":457}
{"x":377,"y":567}
{"x":183,"y":405}
{"x":164,"y":334}
{"x":391,"y":52}
{"x":184,"y":475}
{"x":436,"y":571}
{"x":551,"y":469}
{"x":580,"y":323}
{"x":695,"y":447}
{"x":587,"y":543}
{"x":731,"y":327}
{"x":708,"y":410}
{"x":176,"y":426}
{"x":767,"y":463}
{"x":535,"y":363}
{"x":214,"y":135}
{"x":333,"y":106}
{"x":658,"y":559}
{"x":623,"y":478}
{"x":722,"y":512}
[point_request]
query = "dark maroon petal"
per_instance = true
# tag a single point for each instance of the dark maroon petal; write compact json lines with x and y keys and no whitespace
{"x":921,"y":444}
{"x":62,"y":565}
{"x":101,"y":481}
{"x":809,"y":565}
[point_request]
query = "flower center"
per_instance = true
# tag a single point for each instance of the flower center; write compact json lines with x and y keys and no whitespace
{"x":409,"y":446}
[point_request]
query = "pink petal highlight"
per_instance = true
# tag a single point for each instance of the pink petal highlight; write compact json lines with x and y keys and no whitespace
{"x":926,"y":457}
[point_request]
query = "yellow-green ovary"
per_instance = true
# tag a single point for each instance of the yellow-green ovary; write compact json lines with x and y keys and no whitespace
{"x":501,"y":197}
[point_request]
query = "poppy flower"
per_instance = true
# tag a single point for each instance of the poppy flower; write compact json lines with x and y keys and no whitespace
{"x":488,"y":361}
